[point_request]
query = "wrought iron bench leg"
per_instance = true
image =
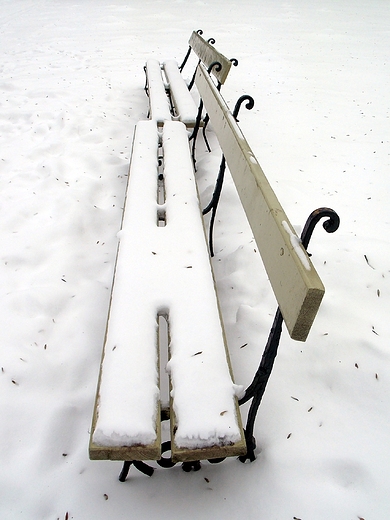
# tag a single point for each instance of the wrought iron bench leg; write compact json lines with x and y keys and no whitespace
{"x":192,"y":465}
{"x":256,"y":389}
{"x":141,"y":466}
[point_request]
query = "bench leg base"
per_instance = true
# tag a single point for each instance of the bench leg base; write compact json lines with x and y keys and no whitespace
{"x":251,"y":446}
{"x":141,"y":466}
{"x":193,"y":465}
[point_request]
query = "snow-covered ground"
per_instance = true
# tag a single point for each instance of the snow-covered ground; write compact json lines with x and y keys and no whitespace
{"x":71,"y":91}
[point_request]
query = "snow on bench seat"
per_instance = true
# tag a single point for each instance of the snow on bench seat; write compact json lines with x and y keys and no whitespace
{"x":158,"y":100}
{"x":183,"y":102}
{"x":164,"y":271}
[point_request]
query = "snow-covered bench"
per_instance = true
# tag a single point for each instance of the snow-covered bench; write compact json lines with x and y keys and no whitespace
{"x":169,"y":95}
{"x":163,"y":269}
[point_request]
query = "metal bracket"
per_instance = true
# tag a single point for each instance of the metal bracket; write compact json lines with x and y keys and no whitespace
{"x":195,"y":131}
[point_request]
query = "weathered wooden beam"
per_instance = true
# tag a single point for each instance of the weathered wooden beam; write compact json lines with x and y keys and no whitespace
{"x":208,"y":55}
{"x":295,"y":282}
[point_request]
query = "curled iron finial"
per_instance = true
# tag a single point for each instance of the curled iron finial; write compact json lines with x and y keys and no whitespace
{"x":215,"y":65}
{"x":331,"y":225}
{"x":211,"y":41}
{"x":240,"y":101}
{"x":199,"y":31}
{"x":234,"y":61}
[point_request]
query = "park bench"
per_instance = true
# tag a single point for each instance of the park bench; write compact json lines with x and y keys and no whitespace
{"x":169,"y":94}
{"x":163,"y":272}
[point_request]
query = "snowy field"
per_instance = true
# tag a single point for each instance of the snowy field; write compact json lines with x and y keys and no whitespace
{"x":71,"y":91}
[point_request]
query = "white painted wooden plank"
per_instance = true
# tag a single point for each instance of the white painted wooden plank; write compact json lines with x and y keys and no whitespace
{"x":126,"y":423}
{"x":208,"y":55}
{"x":158,"y":99}
{"x":183,"y":101}
{"x":164,"y":270}
{"x":296,"y":284}
{"x":203,"y":394}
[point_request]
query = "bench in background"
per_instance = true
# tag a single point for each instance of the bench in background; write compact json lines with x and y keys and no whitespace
{"x":163,"y":269}
{"x":169,"y":95}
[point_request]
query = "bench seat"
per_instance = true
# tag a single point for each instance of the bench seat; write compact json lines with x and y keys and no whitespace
{"x":183,"y":104}
{"x":164,"y":270}
{"x":159,"y":109}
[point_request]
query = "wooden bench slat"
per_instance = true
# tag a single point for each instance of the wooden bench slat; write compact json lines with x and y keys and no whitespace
{"x":208,"y":55}
{"x":205,"y":417}
{"x":295,"y":282}
{"x":126,"y":423}
{"x":158,"y":100}
{"x":183,"y":101}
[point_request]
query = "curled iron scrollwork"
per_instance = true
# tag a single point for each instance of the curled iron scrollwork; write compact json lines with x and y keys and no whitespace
{"x":215,"y":65}
{"x":331,"y":225}
{"x":250,"y":104}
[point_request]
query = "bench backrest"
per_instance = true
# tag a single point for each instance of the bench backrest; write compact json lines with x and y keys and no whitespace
{"x":295,"y":282}
{"x":208,"y":55}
